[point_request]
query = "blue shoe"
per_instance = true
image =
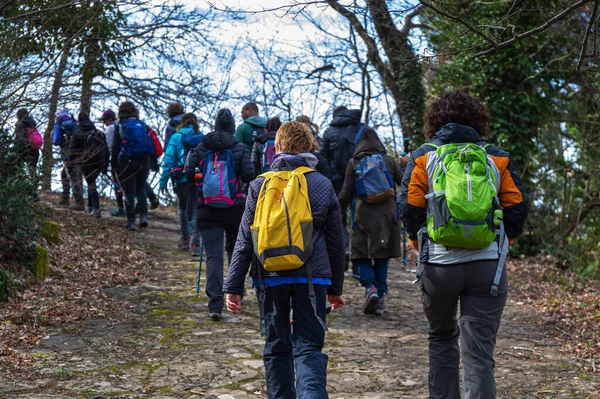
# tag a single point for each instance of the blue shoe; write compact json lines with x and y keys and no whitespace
{"x":118,"y":212}
{"x":380,"y":307}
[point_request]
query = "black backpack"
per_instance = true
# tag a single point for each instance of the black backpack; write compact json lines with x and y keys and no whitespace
{"x":345,"y":147}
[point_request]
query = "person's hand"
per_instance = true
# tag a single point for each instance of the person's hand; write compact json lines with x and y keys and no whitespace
{"x":404,"y":159}
{"x":336,"y":301}
{"x":163,"y":191}
{"x":234,"y":303}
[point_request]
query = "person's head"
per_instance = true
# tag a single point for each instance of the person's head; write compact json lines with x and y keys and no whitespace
{"x":174,"y":109}
{"x":108,"y":117}
{"x":249,"y":109}
{"x":368,"y":134}
{"x":22,"y":113}
{"x":189,"y":119}
{"x":312,"y":126}
{"x":273,"y":125}
{"x":63,"y":114}
{"x":295,"y":138}
{"x":225,"y":121}
{"x":459,"y":107}
{"x":83,"y":117}
{"x":339,"y":109}
{"x":127,"y":110}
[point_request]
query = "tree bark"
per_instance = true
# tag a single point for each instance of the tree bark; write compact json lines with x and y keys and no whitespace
{"x":47,"y":158}
{"x":88,"y":72}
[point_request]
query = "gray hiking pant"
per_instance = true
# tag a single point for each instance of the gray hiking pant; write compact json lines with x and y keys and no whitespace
{"x":480,"y":313}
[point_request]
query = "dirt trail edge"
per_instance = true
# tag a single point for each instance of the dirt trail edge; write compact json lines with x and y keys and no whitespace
{"x":166,"y":347}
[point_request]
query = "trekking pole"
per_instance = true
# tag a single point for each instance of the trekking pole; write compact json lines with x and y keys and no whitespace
{"x":404,"y":261}
{"x":200,"y":268}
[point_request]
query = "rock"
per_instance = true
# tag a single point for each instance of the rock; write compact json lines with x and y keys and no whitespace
{"x":50,"y":231}
{"x":41,"y":266}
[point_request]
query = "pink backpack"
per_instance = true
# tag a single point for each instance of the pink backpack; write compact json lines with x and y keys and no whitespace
{"x":35,"y":138}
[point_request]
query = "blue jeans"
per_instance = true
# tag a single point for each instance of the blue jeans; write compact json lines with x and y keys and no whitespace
{"x":374,"y":272}
{"x":300,"y":349}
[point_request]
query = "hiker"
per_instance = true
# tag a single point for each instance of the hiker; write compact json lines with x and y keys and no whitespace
{"x":186,"y":139}
{"x":338,"y":147}
{"x":370,"y":184}
{"x":88,"y":150}
{"x":252,"y":127}
{"x":175,"y":114}
{"x":130,"y":161}
{"x":263,"y":149}
{"x":462,"y":201}
{"x":294,"y":363}
{"x":219,"y":165}
{"x":70,"y":175}
{"x":322,"y":165}
{"x":28,"y":140}
{"x":109,"y":119}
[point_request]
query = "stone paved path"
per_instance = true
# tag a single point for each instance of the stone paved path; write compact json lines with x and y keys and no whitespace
{"x":166,"y":347}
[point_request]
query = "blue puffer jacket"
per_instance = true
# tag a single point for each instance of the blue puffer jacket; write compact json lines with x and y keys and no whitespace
{"x":175,"y":154}
{"x":327,"y":259}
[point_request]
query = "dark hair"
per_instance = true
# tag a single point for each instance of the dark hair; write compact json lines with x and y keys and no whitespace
{"x":83,"y":116}
{"x":189,"y":119}
{"x":174,"y":109}
{"x":369,"y":134}
{"x":273,"y":125}
{"x":459,"y":107}
{"x":22,"y":113}
{"x":127,"y":110}
{"x":251,"y":106}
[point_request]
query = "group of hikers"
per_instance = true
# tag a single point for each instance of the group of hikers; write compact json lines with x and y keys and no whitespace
{"x":277,"y":196}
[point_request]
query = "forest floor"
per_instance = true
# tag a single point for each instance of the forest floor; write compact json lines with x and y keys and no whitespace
{"x":120,"y":318}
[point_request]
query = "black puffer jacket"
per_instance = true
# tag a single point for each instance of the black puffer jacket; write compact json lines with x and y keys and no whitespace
{"x":327,"y":258}
{"x":80,"y":153}
{"x":338,"y":141}
{"x":222,"y":139}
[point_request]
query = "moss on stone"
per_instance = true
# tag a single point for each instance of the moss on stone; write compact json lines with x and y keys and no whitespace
{"x":50,"y":231}
{"x":41,"y":266}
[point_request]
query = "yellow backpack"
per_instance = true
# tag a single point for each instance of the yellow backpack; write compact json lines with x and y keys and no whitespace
{"x":283,"y":222}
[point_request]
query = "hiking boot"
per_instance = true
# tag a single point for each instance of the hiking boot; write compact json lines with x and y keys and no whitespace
{"x":130,"y":225}
{"x":89,"y":210}
{"x":77,"y":207}
{"x":195,"y":249}
{"x":347,"y":262}
{"x":154,"y":203}
{"x":380,"y":307}
{"x":95,"y":213}
{"x":215,"y":316}
{"x":117,"y":212}
{"x":64,"y":201}
{"x":184,"y":244}
{"x":143,"y":221}
{"x":371,"y":300}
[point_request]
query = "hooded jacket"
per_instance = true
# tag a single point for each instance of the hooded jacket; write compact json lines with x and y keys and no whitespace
{"x":327,"y":258}
{"x":175,"y":155}
{"x":221,"y":139}
{"x":416,"y":184}
{"x":172,"y":128}
{"x":338,"y":141}
{"x":21,"y":136}
{"x":245,"y":132}
{"x":79,"y":151}
{"x":376,"y":232}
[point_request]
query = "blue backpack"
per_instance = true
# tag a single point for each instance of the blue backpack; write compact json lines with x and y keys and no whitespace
{"x":219,"y":184}
{"x":62,"y":135}
{"x":268,"y":152}
{"x":136,"y":139}
{"x":190,"y":142}
{"x":374,"y":183}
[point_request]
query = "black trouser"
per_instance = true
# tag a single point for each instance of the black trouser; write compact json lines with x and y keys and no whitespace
{"x":91,"y":173}
{"x":337,"y":187}
{"x":480,"y":314}
{"x":133,"y":172}
{"x":70,"y":176}
{"x":149,"y":192}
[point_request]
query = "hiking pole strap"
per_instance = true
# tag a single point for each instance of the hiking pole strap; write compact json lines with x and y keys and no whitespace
{"x":503,"y":250}
{"x":312,"y":296}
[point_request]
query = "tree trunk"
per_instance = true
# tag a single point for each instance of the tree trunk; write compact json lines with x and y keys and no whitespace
{"x":47,"y":158}
{"x":88,"y":72}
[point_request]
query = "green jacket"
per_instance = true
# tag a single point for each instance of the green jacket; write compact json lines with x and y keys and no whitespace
{"x":245,"y":132}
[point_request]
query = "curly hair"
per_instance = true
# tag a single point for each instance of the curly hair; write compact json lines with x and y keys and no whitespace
{"x":174,"y":109}
{"x":295,"y":138}
{"x":459,"y":107}
{"x":128,"y":110}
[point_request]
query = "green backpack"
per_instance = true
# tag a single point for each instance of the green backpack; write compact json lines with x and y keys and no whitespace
{"x":462,"y":204}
